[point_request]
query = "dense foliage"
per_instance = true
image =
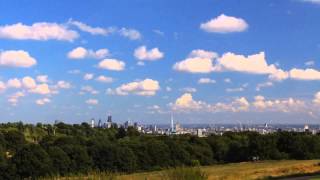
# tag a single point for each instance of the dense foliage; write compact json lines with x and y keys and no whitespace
{"x":46,"y":150}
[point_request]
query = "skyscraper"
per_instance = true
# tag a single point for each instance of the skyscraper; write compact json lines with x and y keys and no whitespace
{"x":92,"y":123}
{"x":172,"y":126}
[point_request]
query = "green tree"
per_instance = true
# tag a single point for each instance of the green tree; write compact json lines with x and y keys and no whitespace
{"x":32,"y":161}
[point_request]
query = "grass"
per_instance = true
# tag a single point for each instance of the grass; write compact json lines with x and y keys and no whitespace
{"x":232,"y":171}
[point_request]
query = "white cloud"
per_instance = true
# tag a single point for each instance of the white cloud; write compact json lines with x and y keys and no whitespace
{"x":88,"y":76}
{"x":186,"y":102}
{"x":81,"y":53}
{"x":227,"y":80}
{"x":2,"y":86}
{"x":112,"y":64}
{"x":239,"y":89}
{"x":309,"y":63}
{"x":14,"y":98}
{"x":304,"y":74}
{"x":74,"y":71}
{"x":279,"y":75}
{"x":225,"y":24}
{"x":198,"y":61}
{"x":14,"y":83}
{"x":43,"y":101}
{"x":188,"y":89}
{"x":316,"y":99}
{"x":312,"y":1}
{"x":92,"y":30}
{"x":203,"y":54}
{"x":42,"y":78}
{"x":88,"y":89}
{"x":132,"y":34}
{"x":263,"y":85}
{"x":147,"y":87}
{"x":140,"y":63}
{"x":194,"y":65}
{"x":255,"y":64}
{"x":28,"y":82}
{"x":141,"y":53}
{"x":92,"y":101}
{"x":63,"y":85}
{"x":104,"y":79}
{"x":38,"y":31}
{"x":206,"y":81}
{"x":41,"y":89}
{"x":280,"y":105}
{"x":16,"y":58}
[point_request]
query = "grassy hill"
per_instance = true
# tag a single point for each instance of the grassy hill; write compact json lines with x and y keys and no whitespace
{"x":232,"y":171}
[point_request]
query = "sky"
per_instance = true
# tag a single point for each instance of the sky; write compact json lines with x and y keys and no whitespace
{"x":209,"y":61}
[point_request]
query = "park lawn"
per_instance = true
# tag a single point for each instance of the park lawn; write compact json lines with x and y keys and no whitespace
{"x":245,"y":170}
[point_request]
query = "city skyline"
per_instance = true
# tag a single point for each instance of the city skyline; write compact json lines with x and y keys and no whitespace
{"x":202,"y":61}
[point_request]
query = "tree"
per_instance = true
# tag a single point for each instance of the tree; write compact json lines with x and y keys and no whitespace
{"x":32,"y":161}
{"x":15,"y":140}
{"x":60,"y":160}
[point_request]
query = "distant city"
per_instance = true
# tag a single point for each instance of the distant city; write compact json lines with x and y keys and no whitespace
{"x":202,"y":130}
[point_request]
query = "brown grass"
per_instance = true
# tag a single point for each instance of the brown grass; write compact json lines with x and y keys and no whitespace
{"x":232,"y":171}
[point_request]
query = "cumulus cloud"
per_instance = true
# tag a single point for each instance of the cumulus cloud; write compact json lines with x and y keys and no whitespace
{"x":14,"y":83}
{"x":225,"y":24}
{"x":63,"y":85}
{"x":92,"y":101}
{"x":147,"y":87}
{"x":104,"y":79}
{"x":316,"y":99}
{"x":141,"y":53}
{"x":14,"y":98}
{"x":112,"y":64}
{"x":88,"y":89}
{"x":41,"y":89}
{"x":81,"y":53}
{"x":28,"y":82}
{"x":43,"y":101}
{"x":132,"y":34}
{"x":16,"y":58}
{"x":304,"y":74}
{"x":206,"y":81}
{"x":38,"y":31}
{"x":42,"y":79}
{"x":282,"y":105}
{"x":2,"y":86}
{"x":88,"y":76}
{"x":255,"y":64}
{"x":187,"y":103}
{"x":198,"y":61}
{"x":194,"y":65}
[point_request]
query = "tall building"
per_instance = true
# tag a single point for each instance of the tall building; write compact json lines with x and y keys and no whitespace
{"x":172,"y":127}
{"x":109,"y":118}
{"x":99,"y":124}
{"x":92,"y":123}
{"x":177,"y":127}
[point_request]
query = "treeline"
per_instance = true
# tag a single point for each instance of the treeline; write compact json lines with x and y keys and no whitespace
{"x":45,"y":150}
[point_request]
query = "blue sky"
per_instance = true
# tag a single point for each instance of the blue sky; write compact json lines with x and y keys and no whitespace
{"x":218,"y":61}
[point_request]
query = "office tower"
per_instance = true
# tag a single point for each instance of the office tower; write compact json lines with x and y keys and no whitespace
{"x":92,"y":123}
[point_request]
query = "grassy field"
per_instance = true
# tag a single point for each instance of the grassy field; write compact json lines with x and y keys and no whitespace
{"x":232,"y":171}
